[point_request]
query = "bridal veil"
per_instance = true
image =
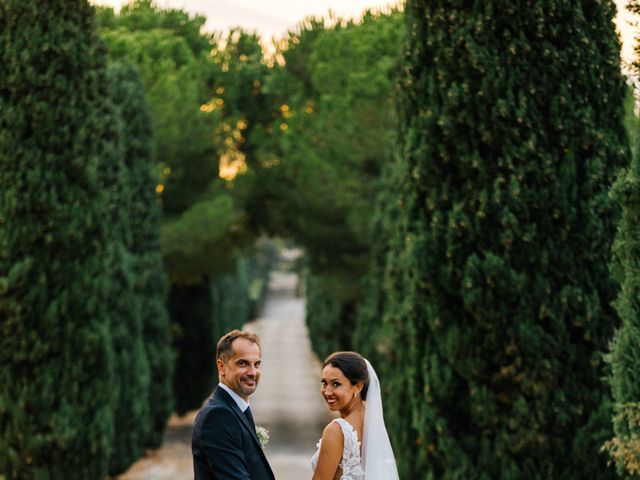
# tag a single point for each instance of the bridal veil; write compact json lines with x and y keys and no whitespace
{"x":377,"y":455}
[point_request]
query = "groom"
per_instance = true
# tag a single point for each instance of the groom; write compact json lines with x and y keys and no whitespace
{"x":224,"y":443}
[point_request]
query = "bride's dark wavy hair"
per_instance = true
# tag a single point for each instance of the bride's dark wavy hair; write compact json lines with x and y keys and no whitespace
{"x":353,"y":366}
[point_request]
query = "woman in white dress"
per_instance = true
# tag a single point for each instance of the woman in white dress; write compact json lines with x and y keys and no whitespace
{"x":356,"y":445}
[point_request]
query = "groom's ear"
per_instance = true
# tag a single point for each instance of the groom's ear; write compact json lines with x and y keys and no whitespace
{"x":220,"y":366}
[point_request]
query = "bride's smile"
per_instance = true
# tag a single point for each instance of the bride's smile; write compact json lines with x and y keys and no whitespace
{"x":339,"y":393}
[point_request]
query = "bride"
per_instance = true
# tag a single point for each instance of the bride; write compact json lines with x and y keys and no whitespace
{"x":356,"y":445}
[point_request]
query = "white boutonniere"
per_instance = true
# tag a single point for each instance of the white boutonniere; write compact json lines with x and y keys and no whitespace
{"x":263,"y":435}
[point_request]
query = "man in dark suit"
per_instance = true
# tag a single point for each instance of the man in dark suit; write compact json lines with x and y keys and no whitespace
{"x":224,"y":443}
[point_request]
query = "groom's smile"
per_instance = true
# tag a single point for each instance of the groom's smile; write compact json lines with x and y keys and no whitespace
{"x":241,"y":372}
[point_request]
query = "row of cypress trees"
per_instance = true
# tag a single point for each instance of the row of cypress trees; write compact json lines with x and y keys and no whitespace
{"x":489,"y":305}
{"x":81,"y":277}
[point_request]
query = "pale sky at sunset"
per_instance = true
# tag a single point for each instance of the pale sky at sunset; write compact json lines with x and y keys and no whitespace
{"x":268,"y":17}
{"x":627,"y":32}
{"x":274,"y":17}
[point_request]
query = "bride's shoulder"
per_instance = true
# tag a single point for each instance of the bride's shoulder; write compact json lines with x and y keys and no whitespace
{"x":332,"y":441}
{"x":332,"y":432}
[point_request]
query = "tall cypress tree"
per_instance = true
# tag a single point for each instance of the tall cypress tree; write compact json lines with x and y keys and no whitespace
{"x":192,"y":308}
{"x":624,"y":358}
{"x":149,"y":279}
{"x":132,"y":407}
{"x":55,"y":346}
{"x":625,"y":349}
{"x":496,"y":293}
{"x":205,"y":311}
{"x":150,"y":331}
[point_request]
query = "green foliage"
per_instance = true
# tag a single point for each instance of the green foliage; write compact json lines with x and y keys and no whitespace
{"x":191,"y":313}
{"x":632,"y":121}
{"x":196,"y":92}
{"x":143,"y":15}
{"x":204,"y":312}
{"x":148,"y":400}
{"x":335,"y":138}
{"x":130,"y":366}
{"x":57,"y":137}
{"x":243,"y":137}
{"x":329,"y":315}
{"x":624,"y":356}
{"x":237,"y":74}
{"x":231,"y":303}
{"x":489,"y":308}
{"x":182,"y":68}
{"x":189,"y":240}
{"x":370,"y":332}
{"x":264,"y":260}
{"x":176,"y":88}
{"x":334,"y":131}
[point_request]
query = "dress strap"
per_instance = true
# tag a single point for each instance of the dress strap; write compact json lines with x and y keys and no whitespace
{"x":350,"y":464}
{"x":349,"y":433}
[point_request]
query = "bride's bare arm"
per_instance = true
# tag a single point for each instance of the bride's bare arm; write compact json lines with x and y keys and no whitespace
{"x":330,"y":452}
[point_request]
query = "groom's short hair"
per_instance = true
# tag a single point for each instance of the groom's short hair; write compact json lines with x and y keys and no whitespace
{"x":224,"y":351}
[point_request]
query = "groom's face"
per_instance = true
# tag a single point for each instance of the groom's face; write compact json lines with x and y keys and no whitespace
{"x":241,"y":372}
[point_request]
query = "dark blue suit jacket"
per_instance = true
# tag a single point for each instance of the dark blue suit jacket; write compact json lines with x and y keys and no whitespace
{"x":224,"y":445}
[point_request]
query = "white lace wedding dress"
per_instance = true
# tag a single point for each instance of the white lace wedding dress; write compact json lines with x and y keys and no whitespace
{"x":351,"y":464}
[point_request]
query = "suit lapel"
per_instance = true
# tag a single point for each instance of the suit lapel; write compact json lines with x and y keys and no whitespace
{"x":226,"y":398}
{"x":220,"y":395}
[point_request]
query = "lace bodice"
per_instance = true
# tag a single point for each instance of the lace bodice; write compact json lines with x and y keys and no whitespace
{"x":350,"y":464}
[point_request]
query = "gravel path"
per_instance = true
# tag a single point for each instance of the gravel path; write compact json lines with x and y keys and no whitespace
{"x":287,"y":402}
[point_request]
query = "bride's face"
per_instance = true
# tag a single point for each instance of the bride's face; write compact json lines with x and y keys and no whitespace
{"x":337,"y":389}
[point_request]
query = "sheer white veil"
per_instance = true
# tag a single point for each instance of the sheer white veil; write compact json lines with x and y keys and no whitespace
{"x":378,"y":460}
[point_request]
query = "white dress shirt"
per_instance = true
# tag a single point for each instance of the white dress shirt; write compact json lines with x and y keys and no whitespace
{"x":241,"y":402}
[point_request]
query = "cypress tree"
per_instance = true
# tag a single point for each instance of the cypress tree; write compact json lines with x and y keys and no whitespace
{"x":329,"y":315}
{"x":131,"y":409}
{"x":231,"y":298}
{"x":205,"y":311}
{"x":191,"y":307}
{"x":624,"y":357}
{"x":150,"y":278}
{"x":496,"y":294}
{"x":151,"y":333}
{"x":55,"y":346}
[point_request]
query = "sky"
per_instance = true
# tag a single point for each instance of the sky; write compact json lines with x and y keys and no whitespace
{"x":625,"y":23}
{"x":272,"y":18}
